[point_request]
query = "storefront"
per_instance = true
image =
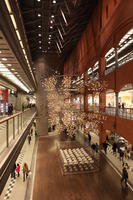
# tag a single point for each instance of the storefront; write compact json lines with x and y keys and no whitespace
{"x":3,"y":100}
{"x":126,"y":97}
{"x":110,"y":99}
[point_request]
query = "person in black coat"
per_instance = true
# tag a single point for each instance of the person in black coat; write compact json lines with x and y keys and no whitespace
{"x":114,"y":147}
{"x":105,"y":146}
{"x":89,"y":138}
{"x":124,"y":176}
{"x":13,"y":171}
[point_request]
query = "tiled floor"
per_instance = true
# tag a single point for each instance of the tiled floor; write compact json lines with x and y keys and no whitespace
{"x":115,"y":161}
{"x":50,"y":184}
{"x":16,"y":189}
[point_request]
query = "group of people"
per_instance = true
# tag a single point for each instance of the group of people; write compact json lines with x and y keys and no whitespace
{"x":125,"y":166}
{"x":94,"y":146}
{"x":16,"y":170}
{"x":121,"y":105}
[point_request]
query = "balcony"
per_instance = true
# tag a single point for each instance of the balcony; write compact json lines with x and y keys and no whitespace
{"x":126,"y":113}
{"x":12,"y":126}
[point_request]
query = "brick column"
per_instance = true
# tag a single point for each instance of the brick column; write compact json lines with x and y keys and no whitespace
{"x":102,"y":99}
{"x":85,"y":93}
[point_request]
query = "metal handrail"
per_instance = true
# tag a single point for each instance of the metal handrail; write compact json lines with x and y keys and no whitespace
{"x":121,"y":112}
{"x":13,"y":115}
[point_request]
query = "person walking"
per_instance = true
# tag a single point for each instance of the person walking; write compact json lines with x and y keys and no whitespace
{"x":13,"y":171}
{"x":97,"y":147}
{"x":124,"y":176}
{"x":29,"y":138}
{"x":25,"y":171}
{"x":18,"y":169}
{"x":114,"y":147}
{"x":89,"y":138}
{"x":105,"y":146}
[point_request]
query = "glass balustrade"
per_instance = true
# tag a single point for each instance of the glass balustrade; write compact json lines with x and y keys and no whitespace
{"x":11,"y":127}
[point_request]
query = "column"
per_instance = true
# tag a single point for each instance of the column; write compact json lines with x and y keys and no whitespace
{"x":102,"y":99}
{"x":116,"y":93}
{"x":41,"y":94}
{"x":85,"y":92}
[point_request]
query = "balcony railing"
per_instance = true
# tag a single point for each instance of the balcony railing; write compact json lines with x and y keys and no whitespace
{"x":126,"y":113}
{"x":127,"y":58}
{"x":10,"y":127}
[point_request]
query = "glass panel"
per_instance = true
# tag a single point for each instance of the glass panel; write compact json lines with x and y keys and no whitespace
{"x":2,"y":136}
{"x":10,"y":129}
{"x":16,"y":125}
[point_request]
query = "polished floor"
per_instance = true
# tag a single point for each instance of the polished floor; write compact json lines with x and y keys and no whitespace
{"x":51,"y":185}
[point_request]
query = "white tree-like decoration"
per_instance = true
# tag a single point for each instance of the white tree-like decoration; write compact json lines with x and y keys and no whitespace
{"x":60,"y":107}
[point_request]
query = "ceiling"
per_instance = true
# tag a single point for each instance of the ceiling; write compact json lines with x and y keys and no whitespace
{"x":10,"y":67}
{"x":53,"y":27}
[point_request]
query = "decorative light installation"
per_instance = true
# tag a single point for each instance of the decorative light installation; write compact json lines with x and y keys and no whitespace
{"x":60,"y":106}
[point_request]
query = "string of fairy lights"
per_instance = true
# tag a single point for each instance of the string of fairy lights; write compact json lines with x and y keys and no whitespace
{"x":60,"y":105}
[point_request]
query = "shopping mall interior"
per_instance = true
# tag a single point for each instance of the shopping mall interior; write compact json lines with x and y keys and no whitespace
{"x":66,"y":99}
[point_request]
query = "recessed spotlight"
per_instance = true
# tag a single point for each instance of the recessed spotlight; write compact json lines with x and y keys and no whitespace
{"x":15,"y":72}
{"x":52,"y":16}
{"x":39,"y":15}
{"x":13,"y":69}
{"x":54,"y":1}
{"x":0,"y":51}
{"x":40,"y":41}
{"x":39,"y":26}
{"x":38,"y":0}
{"x":50,"y":35}
{"x":51,"y":27}
{"x":9,"y":65}
{"x":4,"y":59}
{"x":39,"y":35}
{"x":51,"y":21}
{"x":40,"y":47}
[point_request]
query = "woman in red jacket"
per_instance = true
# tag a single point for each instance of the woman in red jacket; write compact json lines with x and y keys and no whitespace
{"x":18,"y":169}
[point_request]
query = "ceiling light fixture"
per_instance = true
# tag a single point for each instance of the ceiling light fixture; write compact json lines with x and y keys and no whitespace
{"x":0,"y":51}
{"x":4,"y":59}
{"x":9,"y":65}
{"x":54,"y":1}
{"x":39,"y":26}
{"x":40,"y":41}
{"x":40,"y":47}
{"x":39,"y":15}
{"x":51,"y":21}
{"x":13,"y":69}
{"x":51,"y":27}
{"x":38,"y":0}
{"x":39,"y":35}
{"x":52,"y":16}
